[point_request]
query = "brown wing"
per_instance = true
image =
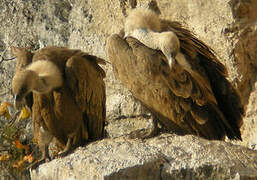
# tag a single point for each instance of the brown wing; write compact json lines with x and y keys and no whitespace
{"x":227,"y":97}
{"x":176,"y":95}
{"x":85,"y":78}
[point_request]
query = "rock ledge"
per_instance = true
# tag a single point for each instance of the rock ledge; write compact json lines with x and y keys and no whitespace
{"x":167,"y":156}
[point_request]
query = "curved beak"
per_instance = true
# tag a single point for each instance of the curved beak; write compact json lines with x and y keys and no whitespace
{"x":15,"y":101}
{"x":171,"y":60}
{"x":18,"y":103}
{"x":126,"y":35}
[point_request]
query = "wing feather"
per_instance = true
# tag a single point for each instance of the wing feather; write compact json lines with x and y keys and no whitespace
{"x":85,"y":79}
{"x":200,"y":55}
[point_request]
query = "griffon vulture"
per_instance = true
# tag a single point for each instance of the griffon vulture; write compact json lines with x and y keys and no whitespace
{"x":68,"y":95}
{"x":176,"y":76}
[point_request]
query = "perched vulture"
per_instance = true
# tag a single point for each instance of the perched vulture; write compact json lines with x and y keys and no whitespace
{"x":176,"y":76}
{"x":68,"y":95}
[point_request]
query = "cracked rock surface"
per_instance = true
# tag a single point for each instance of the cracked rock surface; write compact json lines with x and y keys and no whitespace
{"x":164,"y":157}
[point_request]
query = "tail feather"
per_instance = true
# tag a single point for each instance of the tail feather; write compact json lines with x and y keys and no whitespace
{"x":229,"y":102}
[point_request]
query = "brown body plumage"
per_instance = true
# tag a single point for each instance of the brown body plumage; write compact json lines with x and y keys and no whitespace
{"x":193,"y":96}
{"x":68,"y":95}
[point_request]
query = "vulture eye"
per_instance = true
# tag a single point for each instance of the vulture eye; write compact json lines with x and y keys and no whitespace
{"x":163,"y":62}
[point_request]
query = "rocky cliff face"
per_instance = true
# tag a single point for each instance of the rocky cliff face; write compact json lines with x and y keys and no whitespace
{"x":228,"y":26}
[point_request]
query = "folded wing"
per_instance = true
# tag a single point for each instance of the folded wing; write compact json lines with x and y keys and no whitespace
{"x":85,"y":79}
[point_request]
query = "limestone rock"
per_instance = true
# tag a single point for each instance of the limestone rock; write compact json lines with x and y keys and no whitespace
{"x":164,"y":157}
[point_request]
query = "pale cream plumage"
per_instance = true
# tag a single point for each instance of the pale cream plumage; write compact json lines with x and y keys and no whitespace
{"x":39,"y":77}
{"x":145,"y":25}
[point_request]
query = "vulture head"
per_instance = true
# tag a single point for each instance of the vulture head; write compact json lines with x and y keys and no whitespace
{"x":21,"y":86}
{"x":40,"y":77}
{"x":145,"y":25}
{"x":169,"y":45}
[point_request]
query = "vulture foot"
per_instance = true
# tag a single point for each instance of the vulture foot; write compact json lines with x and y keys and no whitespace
{"x":45,"y":158}
{"x":66,"y":150}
